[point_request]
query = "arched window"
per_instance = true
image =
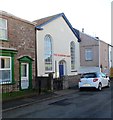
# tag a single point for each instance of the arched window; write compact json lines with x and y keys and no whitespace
{"x":48,"y":52}
{"x":72,"y":49}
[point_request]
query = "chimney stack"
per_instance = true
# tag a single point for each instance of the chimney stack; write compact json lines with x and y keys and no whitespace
{"x":83,"y":30}
{"x":97,"y":38}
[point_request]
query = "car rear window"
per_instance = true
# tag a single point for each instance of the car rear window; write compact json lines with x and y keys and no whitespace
{"x":89,"y":75}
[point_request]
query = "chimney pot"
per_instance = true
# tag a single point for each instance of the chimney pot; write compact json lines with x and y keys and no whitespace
{"x":83,"y":30}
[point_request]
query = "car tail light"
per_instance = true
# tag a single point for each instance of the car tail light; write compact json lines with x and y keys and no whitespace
{"x":96,"y":79}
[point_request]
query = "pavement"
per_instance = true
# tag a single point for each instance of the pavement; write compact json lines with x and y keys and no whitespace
{"x":21,"y":102}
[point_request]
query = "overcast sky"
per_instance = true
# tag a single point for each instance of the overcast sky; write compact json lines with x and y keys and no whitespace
{"x":92,"y":15}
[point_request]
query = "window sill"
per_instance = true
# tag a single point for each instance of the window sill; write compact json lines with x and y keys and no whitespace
{"x":73,"y":70}
{"x":49,"y":72}
{"x":88,"y":60}
{"x":7,"y":83}
{"x":4,"y":40}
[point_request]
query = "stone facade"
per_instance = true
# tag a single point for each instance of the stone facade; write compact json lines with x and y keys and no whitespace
{"x":70,"y":81}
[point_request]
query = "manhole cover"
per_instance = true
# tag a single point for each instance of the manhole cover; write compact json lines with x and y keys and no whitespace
{"x":62,"y":102}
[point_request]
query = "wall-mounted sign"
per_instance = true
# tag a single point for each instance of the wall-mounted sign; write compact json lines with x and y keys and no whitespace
{"x":61,"y":55}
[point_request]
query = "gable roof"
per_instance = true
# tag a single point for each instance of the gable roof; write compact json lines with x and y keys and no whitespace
{"x":44,"y":21}
{"x":78,"y":34}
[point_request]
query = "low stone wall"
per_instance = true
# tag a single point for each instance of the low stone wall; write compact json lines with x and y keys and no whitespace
{"x":70,"y":81}
{"x":10,"y":87}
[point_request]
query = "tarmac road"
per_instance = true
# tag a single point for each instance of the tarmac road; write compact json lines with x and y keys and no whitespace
{"x":76,"y":104}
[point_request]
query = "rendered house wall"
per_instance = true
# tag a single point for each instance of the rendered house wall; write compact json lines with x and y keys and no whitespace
{"x":61,"y":37}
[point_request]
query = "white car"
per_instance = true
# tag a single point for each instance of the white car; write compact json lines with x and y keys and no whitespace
{"x":95,"y":79}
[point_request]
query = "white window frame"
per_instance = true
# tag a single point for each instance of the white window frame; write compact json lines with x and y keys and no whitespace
{"x":88,"y":51}
{"x":3,"y":69}
{"x":48,"y":54}
{"x":5,"y":29}
{"x":72,"y":46}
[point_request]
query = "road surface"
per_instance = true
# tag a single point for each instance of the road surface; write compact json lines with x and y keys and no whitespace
{"x":79,"y":104}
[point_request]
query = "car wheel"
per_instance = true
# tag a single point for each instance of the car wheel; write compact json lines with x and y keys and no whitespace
{"x":108,"y":84}
{"x":100,"y":87}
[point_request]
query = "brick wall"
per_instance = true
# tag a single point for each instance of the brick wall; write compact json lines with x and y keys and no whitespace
{"x":21,"y":36}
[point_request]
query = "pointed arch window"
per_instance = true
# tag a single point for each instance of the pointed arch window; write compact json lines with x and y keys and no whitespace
{"x":48,"y":53}
{"x":72,"y":49}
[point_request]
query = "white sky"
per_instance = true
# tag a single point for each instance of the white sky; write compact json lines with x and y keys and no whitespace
{"x":92,"y":15}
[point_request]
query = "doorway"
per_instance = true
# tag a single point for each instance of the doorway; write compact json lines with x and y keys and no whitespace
{"x":62,"y":68}
{"x":25,"y":72}
{"x":24,"y":75}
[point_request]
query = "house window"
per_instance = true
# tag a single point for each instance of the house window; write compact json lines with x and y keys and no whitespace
{"x":72,"y":48}
{"x":3,"y":29}
{"x":48,"y":53}
{"x":5,"y":69}
{"x":88,"y":54}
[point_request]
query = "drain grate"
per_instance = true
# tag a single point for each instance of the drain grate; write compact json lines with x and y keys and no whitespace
{"x":62,"y":102}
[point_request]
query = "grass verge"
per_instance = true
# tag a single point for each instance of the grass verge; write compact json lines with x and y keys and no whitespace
{"x":18,"y":94}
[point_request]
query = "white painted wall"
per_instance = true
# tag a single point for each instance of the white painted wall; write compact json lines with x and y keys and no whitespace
{"x":62,"y":36}
{"x":84,"y":69}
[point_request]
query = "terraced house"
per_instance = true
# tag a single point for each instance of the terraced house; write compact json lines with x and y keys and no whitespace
{"x":24,"y":58}
{"x":95,"y":54}
{"x":17,"y":53}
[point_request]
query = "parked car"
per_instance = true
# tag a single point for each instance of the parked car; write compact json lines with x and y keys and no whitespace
{"x":95,"y":79}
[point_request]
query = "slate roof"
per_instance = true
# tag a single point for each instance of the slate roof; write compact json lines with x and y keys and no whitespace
{"x":41,"y":21}
{"x":78,"y":34}
{"x":44,"y":21}
{"x":3,"y":13}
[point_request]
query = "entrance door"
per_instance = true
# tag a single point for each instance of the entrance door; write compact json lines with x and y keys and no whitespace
{"x":62,"y":68}
{"x":24,"y":75}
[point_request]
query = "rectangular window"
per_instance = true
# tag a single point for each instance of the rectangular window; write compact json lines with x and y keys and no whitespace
{"x":3,"y":29}
{"x":24,"y":70}
{"x":5,"y":69}
{"x":48,"y":62}
{"x":88,"y":54}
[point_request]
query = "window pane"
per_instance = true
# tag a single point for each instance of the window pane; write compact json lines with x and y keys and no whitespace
{"x":24,"y":70}
{"x":2,"y":63}
{"x":3,"y":34}
{"x":3,"y":29}
{"x":5,"y":76}
{"x":48,"y":52}
{"x":88,"y":54}
{"x":5,"y":69}
{"x":3,"y":23}
{"x":5,"y":62}
{"x":48,"y":66}
{"x":72,"y":48}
